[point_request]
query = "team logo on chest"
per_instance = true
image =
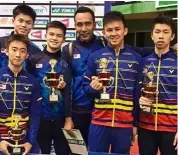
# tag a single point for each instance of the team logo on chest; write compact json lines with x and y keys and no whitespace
{"x":130,"y":65}
{"x":26,"y":88}
{"x":171,"y":71}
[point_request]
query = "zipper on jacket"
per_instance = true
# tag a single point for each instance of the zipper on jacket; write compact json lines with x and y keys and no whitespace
{"x":157,"y":92}
{"x":14,"y":98}
{"x":115,"y":91}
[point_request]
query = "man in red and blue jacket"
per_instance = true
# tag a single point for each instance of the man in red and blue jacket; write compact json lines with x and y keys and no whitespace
{"x":19,"y":96}
{"x":112,"y":122}
{"x":159,"y":129}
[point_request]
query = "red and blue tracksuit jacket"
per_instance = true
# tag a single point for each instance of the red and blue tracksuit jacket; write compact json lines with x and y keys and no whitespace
{"x":164,"y":117}
{"x":19,"y":94}
{"x":123,"y":111}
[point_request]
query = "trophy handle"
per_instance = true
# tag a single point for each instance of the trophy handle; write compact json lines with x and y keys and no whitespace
{"x":44,"y":82}
{"x":10,"y":135}
{"x":23,"y":134}
{"x":111,"y":82}
{"x":142,"y":93}
{"x":61,"y":78}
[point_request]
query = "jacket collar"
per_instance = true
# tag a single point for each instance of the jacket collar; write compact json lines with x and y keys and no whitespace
{"x":113,"y":50}
{"x":53,"y":55}
{"x":166,"y":55}
{"x":9,"y":71}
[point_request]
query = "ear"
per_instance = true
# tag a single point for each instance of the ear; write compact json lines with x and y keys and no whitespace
{"x":152,"y":35}
{"x":6,"y":51}
{"x":12,"y":20}
{"x":63,"y":40}
{"x":27,"y":56}
{"x":45,"y":36}
{"x":103,"y":32}
{"x":172,"y":37}
{"x":94,"y":24}
{"x":125,"y":31}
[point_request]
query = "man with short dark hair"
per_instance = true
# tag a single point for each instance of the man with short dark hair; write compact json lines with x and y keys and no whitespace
{"x":76,"y":54}
{"x":112,"y":79}
{"x":19,"y":96}
{"x":56,"y":111}
{"x":158,"y":127}
{"x":23,"y":20}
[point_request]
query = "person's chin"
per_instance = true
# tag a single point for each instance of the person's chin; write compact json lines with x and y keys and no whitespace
{"x":160,"y":46}
{"x":55,"y":47}
{"x":23,"y":33}
{"x":86,"y":39}
{"x":18,"y":64}
{"x":114,"y":44}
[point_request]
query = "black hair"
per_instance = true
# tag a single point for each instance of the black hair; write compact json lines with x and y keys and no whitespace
{"x":18,"y":37}
{"x":24,"y":9}
{"x":57,"y":24}
{"x":163,"y":19}
{"x":84,"y":9}
{"x":113,"y":16}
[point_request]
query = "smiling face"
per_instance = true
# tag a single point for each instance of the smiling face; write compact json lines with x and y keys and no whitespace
{"x":84,"y":26}
{"x":114,"y":33}
{"x":17,"y":53}
{"x":162,"y":35}
{"x":55,"y":38}
{"x":23,"y":24}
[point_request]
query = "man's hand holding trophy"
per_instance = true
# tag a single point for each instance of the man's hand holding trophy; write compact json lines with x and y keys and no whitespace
{"x":53,"y":81}
{"x":16,"y":134}
{"x":103,"y":80}
{"x":148,"y":94}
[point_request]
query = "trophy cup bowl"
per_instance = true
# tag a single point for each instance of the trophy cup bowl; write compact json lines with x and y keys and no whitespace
{"x":17,"y":134}
{"x":149,"y":91}
{"x":107,"y":81}
{"x":104,"y":78}
{"x":53,"y":79}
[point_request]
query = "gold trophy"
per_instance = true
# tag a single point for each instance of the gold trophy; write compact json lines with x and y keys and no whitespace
{"x":17,"y":134}
{"x":149,"y":91}
{"x":52,"y":80}
{"x":105,"y":78}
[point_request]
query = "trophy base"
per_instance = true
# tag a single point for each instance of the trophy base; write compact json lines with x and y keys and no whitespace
{"x":104,"y":101}
{"x":17,"y":151}
{"x":104,"y":98}
{"x":53,"y":99}
{"x":147,"y":109}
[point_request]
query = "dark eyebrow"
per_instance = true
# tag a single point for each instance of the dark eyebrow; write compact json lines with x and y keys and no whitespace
{"x":163,"y":29}
{"x":23,"y":49}
{"x":25,"y":20}
{"x":51,"y":33}
{"x":14,"y":47}
{"x":20,"y":48}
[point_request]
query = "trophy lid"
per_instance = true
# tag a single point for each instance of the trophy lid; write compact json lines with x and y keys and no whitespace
{"x":53,"y":63}
{"x":103,"y":62}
